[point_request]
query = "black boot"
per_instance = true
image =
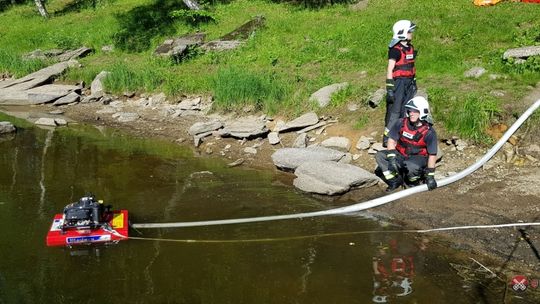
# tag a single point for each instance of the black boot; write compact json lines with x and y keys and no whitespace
{"x":394,"y":183}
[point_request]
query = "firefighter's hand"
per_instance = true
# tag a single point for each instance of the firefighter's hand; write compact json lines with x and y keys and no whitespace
{"x":390,"y":98}
{"x":392,"y":161}
{"x":430,"y":179}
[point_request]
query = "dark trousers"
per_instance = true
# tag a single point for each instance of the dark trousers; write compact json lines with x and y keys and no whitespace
{"x":411,"y":168}
{"x":404,"y":90}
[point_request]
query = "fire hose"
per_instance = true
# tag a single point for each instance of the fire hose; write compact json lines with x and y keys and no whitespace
{"x":368,"y":204}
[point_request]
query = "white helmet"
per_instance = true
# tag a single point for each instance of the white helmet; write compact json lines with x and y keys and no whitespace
{"x":400,"y":30}
{"x":421,"y":105}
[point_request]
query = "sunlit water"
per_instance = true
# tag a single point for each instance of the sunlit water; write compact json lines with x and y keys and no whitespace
{"x":43,"y":170}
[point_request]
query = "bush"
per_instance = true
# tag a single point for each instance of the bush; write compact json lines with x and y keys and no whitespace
{"x":234,"y":87}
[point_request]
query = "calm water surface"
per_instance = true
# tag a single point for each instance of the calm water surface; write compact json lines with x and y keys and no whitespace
{"x":43,"y":170}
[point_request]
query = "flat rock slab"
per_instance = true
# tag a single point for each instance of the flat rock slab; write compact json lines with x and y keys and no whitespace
{"x":291,"y":158}
{"x":247,"y":127}
{"x":51,"y":122}
{"x":68,"y":99}
{"x":522,"y":52}
{"x":39,"y":95}
{"x":37,"y":78}
{"x":6,"y":127}
{"x":323,"y":95}
{"x":303,"y":121}
{"x":330,"y":178}
{"x":204,"y":127}
{"x":338,"y":143}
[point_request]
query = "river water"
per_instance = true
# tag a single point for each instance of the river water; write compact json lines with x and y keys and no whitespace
{"x":43,"y":170}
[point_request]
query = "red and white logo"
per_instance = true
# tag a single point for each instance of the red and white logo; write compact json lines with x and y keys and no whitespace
{"x":519,"y":283}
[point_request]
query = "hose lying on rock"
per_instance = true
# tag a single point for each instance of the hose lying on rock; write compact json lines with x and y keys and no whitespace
{"x":364,"y":205}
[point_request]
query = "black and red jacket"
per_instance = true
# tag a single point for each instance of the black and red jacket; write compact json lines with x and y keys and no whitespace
{"x":405,"y":65}
{"x":412,"y":141}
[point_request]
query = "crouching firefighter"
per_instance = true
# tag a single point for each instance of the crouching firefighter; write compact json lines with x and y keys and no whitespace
{"x":412,"y":149}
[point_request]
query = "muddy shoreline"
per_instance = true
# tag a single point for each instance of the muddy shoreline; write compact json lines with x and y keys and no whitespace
{"x":500,"y":193}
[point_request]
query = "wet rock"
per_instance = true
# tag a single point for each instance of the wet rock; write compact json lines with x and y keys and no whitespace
{"x":330,"y":178}
{"x":338,"y":143}
{"x":273,"y":138}
{"x":303,"y":121}
{"x":475,"y":72}
{"x":376,"y":98}
{"x":68,"y":99}
{"x":6,"y":127}
{"x":324,"y":95}
{"x":300,"y":141}
{"x":96,"y":87}
{"x":363,"y":143}
{"x":291,"y":158}
{"x":246,"y":127}
{"x":522,"y":52}
{"x":203,"y":127}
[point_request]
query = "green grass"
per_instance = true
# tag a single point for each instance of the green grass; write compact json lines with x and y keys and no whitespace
{"x":296,"y":53}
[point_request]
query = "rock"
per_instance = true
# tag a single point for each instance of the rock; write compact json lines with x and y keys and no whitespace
{"x":313,"y":127}
{"x":37,"y":78}
{"x":303,"y":121}
{"x":107,"y":48}
{"x":203,"y":127}
{"x":246,"y":127}
{"x":460,"y":144}
{"x":330,"y":178}
{"x":347,"y":159}
{"x":190,"y":104}
{"x":235,"y":163}
{"x":45,"y":121}
{"x":376,"y":147}
{"x":56,"y":112}
{"x":96,"y":87}
{"x":234,"y":39}
{"x":300,"y":141}
{"x":324,"y":95}
{"x":363,"y":143}
{"x":273,"y":138}
{"x":291,"y":158}
{"x":68,"y":99}
{"x":157,"y":99}
{"x":280,"y":124}
{"x":338,"y":143}
{"x":250,"y":150}
{"x":88,"y":99}
{"x":352,"y":107}
{"x":129,"y":94}
{"x":532,"y":148}
{"x":475,"y":72}
{"x":219,"y":45}
{"x":176,"y":48}
{"x":74,"y":54}
{"x":522,"y":52}
{"x":356,"y":156}
{"x":6,"y":127}
{"x":359,"y":6}
{"x":376,"y":98}
{"x":48,"y":93}
{"x":127,"y":116}
{"x":60,"y":122}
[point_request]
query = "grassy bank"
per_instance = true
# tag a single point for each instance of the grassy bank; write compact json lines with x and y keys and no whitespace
{"x":298,"y":51}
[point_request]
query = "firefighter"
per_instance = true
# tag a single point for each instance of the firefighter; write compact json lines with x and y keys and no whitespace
{"x":412,"y":148}
{"x":400,"y":74}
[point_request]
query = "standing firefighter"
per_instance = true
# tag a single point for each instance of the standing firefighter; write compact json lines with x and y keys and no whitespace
{"x":400,"y":74}
{"x":412,"y":148}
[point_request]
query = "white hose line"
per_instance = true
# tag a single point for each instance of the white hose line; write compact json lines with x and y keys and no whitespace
{"x":364,"y":205}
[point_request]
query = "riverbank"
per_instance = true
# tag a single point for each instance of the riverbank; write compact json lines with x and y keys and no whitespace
{"x":502,"y":192}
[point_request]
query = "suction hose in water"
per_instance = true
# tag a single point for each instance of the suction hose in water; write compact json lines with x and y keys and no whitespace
{"x":364,"y":205}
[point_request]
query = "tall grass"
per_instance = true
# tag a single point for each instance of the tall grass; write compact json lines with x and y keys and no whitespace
{"x":17,"y":66}
{"x":234,"y":87}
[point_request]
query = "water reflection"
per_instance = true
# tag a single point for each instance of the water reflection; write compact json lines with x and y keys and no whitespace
{"x":160,"y":182}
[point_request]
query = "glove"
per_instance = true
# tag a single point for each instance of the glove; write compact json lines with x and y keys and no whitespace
{"x":390,"y":98}
{"x":392,"y":161}
{"x":430,"y":179}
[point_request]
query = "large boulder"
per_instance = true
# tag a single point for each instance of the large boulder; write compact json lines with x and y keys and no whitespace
{"x":323,"y":95}
{"x":291,"y":158}
{"x":327,"y":177}
{"x":6,"y":127}
{"x":97,"y":88}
